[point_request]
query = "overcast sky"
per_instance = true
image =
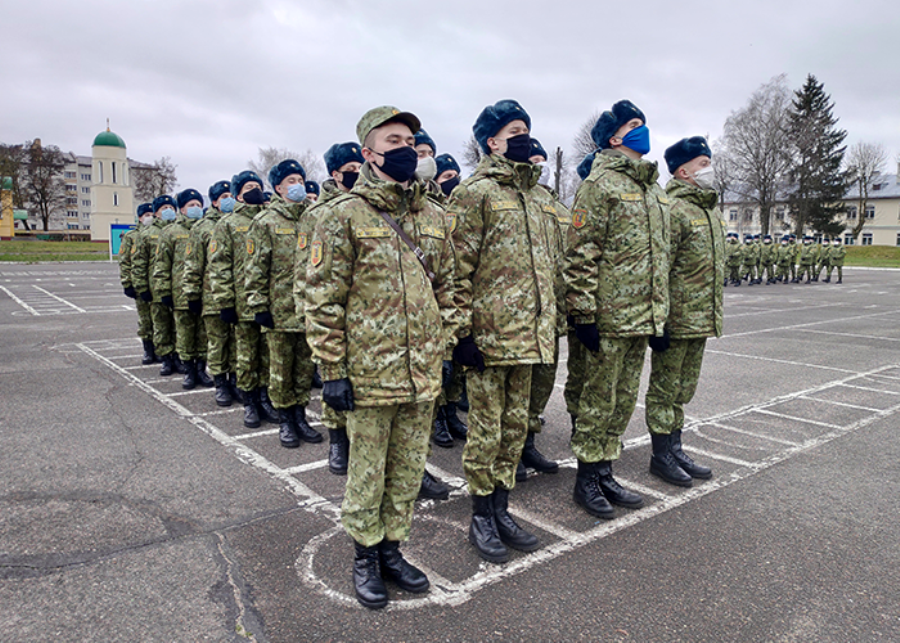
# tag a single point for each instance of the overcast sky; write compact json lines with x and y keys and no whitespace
{"x":209,"y":82}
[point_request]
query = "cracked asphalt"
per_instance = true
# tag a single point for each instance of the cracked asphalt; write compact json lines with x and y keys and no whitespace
{"x":122,"y":520}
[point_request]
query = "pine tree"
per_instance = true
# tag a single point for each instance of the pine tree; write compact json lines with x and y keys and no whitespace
{"x":817,"y":152}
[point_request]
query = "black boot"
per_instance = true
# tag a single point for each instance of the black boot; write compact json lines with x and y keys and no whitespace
{"x":521,"y":472}
{"x":533,"y":458}
{"x":684,"y":460}
{"x":432,"y":488}
{"x":587,"y":493}
{"x":304,"y":430}
{"x":511,"y":534}
{"x":827,"y":280}
{"x":338,"y":451}
{"x":396,"y":568}
{"x":266,"y":411}
{"x":663,"y":464}
{"x":251,"y":413}
{"x":442,"y":436}
{"x":287,"y":430}
{"x":317,"y":379}
{"x":370,"y":589}
{"x":840,"y":281}
{"x":483,"y":531}
{"x":149,"y":352}
{"x":223,"y":391}
{"x":235,"y":391}
{"x":180,"y":366}
{"x":202,"y":376}
{"x":190,"y":375}
{"x":168,"y":365}
{"x":614,"y":492}
{"x":457,"y":427}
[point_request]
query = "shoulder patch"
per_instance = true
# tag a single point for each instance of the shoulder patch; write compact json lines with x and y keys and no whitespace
{"x":579,"y":218}
{"x":563,"y":219}
{"x":432,"y":231}
{"x":285,"y":231}
{"x":451,"y":219}
{"x":663,"y":200}
{"x":630,"y":196}
{"x":241,"y":228}
{"x":251,"y":247}
{"x":504,"y":205}
{"x":187,"y":249}
{"x":549,"y":209}
{"x":213,"y":246}
{"x":698,"y":221}
{"x":375,"y":232}
{"x":315,"y":253}
{"x":301,"y":240}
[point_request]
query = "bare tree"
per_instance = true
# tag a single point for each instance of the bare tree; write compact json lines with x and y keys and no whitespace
{"x":270,"y":156}
{"x":43,"y":187}
{"x":12,"y":158}
{"x":864,"y":162}
{"x":472,"y":153}
{"x":154,"y":180}
{"x":724,"y":172}
{"x":757,"y":139}
{"x":583,"y":144}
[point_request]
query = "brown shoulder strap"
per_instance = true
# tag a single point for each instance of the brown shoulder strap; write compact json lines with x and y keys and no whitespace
{"x":409,"y":243}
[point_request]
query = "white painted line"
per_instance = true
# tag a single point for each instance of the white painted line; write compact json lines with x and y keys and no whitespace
{"x":798,"y":419}
{"x":753,"y":434}
{"x":777,"y":361}
{"x":643,"y":489}
{"x":871,"y":390}
{"x":719,"y":456}
{"x":255,"y":434}
{"x":551,"y":528}
{"x":875,"y":337}
{"x":780,"y":310}
{"x":132,"y":368}
{"x":199,"y":389}
{"x":230,"y":409}
{"x":807,"y":325}
{"x":59,"y":299}
{"x":836,"y":403}
{"x":20,"y":302}
{"x":309,"y":466}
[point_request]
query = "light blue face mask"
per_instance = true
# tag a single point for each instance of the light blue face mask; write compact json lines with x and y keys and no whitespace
{"x":296,"y":192}
{"x":638,"y":140}
{"x":194,"y":212}
{"x":168,"y":214}
{"x":226,"y":204}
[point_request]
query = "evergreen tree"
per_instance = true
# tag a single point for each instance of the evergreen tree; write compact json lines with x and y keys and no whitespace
{"x":817,"y":152}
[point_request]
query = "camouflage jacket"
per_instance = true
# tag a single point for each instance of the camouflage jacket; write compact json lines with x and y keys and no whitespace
{"x":768,"y":253}
{"x":196,"y":275}
{"x":506,"y":249}
{"x":837,"y":255}
{"x":749,"y":254}
{"x":784,"y":255}
{"x":227,"y":260}
{"x":168,"y":270}
{"x":807,"y":255}
{"x":372,"y":314}
{"x":617,"y":256}
{"x":733,"y":254}
{"x":329,"y":192}
{"x":275,"y":239}
{"x":796,"y":249}
{"x":825,"y":255}
{"x":144,"y":257}
{"x":557,"y":230}
{"x":697,"y":262}
{"x":126,"y":250}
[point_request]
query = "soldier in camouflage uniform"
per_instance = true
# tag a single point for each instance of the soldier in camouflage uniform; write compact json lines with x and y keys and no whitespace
{"x":220,"y":344}
{"x":807,"y":259}
{"x":507,"y":302}
{"x":168,"y":283}
{"x":379,"y":317}
{"x":795,"y":257}
{"x":784,"y":257}
{"x":838,"y":252}
{"x":617,"y":269}
{"x":127,"y":250}
{"x":733,"y":259}
{"x":749,"y":256}
{"x":767,"y":257}
{"x":274,"y":242}
{"x":228,"y":259}
{"x":824,"y":258}
{"x":141,"y":276}
{"x":696,"y":276}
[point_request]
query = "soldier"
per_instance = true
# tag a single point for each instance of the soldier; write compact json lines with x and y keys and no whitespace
{"x":141,"y":276}
{"x":748,"y":261}
{"x":379,"y":317}
{"x":767,"y":260}
{"x":228,"y":259}
{"x":274,"y":241}
{"x":617,"y":291}
{"x":221,"y":355}
{"x":696,"y":274}
{"x":312,"y":190}
{"x":447,"y":173}
{"x":795,"y":257}
{"x":733,"y":259}
{"x":504,"y":255}
{"x":836,"y":260}
{"x":807,"y":258}
{"x":127,"y":251}
{"x":824,"y":258}
{"x":784,"y":259}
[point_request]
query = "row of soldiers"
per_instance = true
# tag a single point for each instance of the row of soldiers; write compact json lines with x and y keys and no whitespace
{"x":404,"y":284}
{"x":787,"y":262}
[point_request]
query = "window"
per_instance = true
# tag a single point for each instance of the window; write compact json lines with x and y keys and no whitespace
{"x":779,"y":213}
{"x":116,"y":199}
{"x":72,"y":201}
{"x":71,"y":213}
{"x":71,"y":226}
{"x":870,"y":211}
{"x":732,"y":214}
{"x":113,"y":171}
{"x":898,"y":238}
{"x":867,"y":239}
{"x":100,"y":166}
{"x":85,"y":177}
{"x":85,"y":190}
{"x":849,"y":240}
{"x":70,"y":175}
{"x":851,"y":212}
{"x":86,"y":203}
{"x":85,"y":215}
{"x":71,"y":188}
{"x":748,"y":215}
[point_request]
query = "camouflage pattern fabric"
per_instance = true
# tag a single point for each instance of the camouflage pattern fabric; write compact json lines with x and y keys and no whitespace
{"x":733,"y":259}
{"x":144,"y":256}
{"x":796,"y":249}
{"x":221,"y":347}
{"x":387,"y":460}
{"x":807,"y":261}
{"x":749,"y":260}
{"x":498,"y":425}
{"x":674,"y":374}
{"x":767,"y":258}
{"x":332,"y":419}
{"x":163,"y":329}
{"x":290,"y":369}
{"x":127,"y":251}
{"x":543,"y":379}
{"x":196,"y":266}
{"x":128,"y":241}
{"x":252,"y":366}
{"x":783,"y":262}
{"x":575,"y":365}
{"x":824,"y":259}
{"x":145,"y":319}
{"x":227,"y":260}
{"x":166,"y":279}
{"x":837,"y":261}
{"x":190,"y":335}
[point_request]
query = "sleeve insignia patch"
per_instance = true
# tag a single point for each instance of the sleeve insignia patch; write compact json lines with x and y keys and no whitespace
{"x":213,"y":246}
{"x":579,"y":218}
{"x":251,"y":247}
{"x":302,"y":241}
{"x":316,"y":253}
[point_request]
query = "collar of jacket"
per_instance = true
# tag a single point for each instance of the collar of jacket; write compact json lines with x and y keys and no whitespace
{"x":644,"y":172}
{"x":159,"y":222}
{"x":521,"y":176}
{"x":287,"y":209}
{"x":212,"y":213}
{"x":389,"y":196}
{"x":247,"y":210}
{"x":185,"y":220}
{"x":678,"y":189}
{"x":330,"y":190}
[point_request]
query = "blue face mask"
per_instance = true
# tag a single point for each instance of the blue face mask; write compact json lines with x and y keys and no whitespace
{"x":227,"y":204}
{"x":168,"y":214}
{"x":194,"y":212}
{"x":638,"y":140}
{"x":297,"y":192}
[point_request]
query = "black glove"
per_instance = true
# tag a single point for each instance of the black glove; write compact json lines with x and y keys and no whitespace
{"x":130,"y":292}
{"x":195,"y":306}
{"x":166,"y":300}
{"x":588,"y":335}
{"x":264,"y":319}
{"x":146,"y":296}
{"x":570,"y":322}
{"x":254,"y":197}
{"x":467,"y":353}
{"x":228,"y":315}
{"x":446,"y":373}
{"x":338,"y":394}
{"x":661,"y":344}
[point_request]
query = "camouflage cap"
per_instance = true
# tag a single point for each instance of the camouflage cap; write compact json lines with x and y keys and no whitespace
{"x":380,"y":115}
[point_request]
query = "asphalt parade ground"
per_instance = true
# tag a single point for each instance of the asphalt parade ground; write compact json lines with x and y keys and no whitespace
{"x":132,"y":510}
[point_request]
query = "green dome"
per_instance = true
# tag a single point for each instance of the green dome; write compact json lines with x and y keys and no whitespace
{"x":109,"y":139}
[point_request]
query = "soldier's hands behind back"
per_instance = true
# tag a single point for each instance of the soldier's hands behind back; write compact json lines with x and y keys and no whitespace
{"x":661,"y":344}
{"x":228,"y":315}
{"x":468,"y":354}
{"x":338,"y":394}
{"x":264,"y":319}
{"x":588,"y":335}
{"x":146,"y":296}
{"x":130,"y":292}
{"x":167,"y":301}
{"x":195,"y":306}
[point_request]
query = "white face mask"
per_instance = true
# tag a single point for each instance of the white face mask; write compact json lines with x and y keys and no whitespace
{"x":147,"y":219}
{"x":426,"y":168}
{"x":705,"y":178}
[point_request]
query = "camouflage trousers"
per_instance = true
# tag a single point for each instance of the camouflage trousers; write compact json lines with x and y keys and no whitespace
{"x":252,"y":365}
{"x":840,"y":271}
{"x":332,"y":419}
{"x":674,"y":375}
{"x":543,"y":379}
{"x":806,"y":270}
{"x":734,"y":273}
{"x":498,"y":425}
{"x":145,"y":319}
{"x":221,"y":349}
{"x":163,"y":329}
{"x":612,"y":379}
{"x":793,"y":267}
{"x":783,"y":272}
{"x":290,"y":369}
{"x":769,"y":269}
{"x":822,"y":266}
{"x":749,"y":271}
{"x":575,"y":378}
{"x":457,"y":383}
{"x":387,"y":460}
{"x":190,"y":335}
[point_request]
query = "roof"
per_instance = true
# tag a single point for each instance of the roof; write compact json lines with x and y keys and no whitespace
{"x":882,"y":186}
{"x":109,"y":139}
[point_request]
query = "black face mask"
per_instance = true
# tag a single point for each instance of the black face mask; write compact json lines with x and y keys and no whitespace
{"x":399,"y":163}
{"x":448,"y":185}
{"x":254,"y":196}
{"x":518,"y":148}
{"x":348,"y":179}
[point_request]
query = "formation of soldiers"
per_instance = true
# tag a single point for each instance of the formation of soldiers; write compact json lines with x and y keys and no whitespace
{"x":786,"y":262}
{"x":415,"y":294}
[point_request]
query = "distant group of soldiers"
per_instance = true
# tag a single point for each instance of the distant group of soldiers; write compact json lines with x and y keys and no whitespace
{"x":786,"y":262}
{"x":416,"y":293}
